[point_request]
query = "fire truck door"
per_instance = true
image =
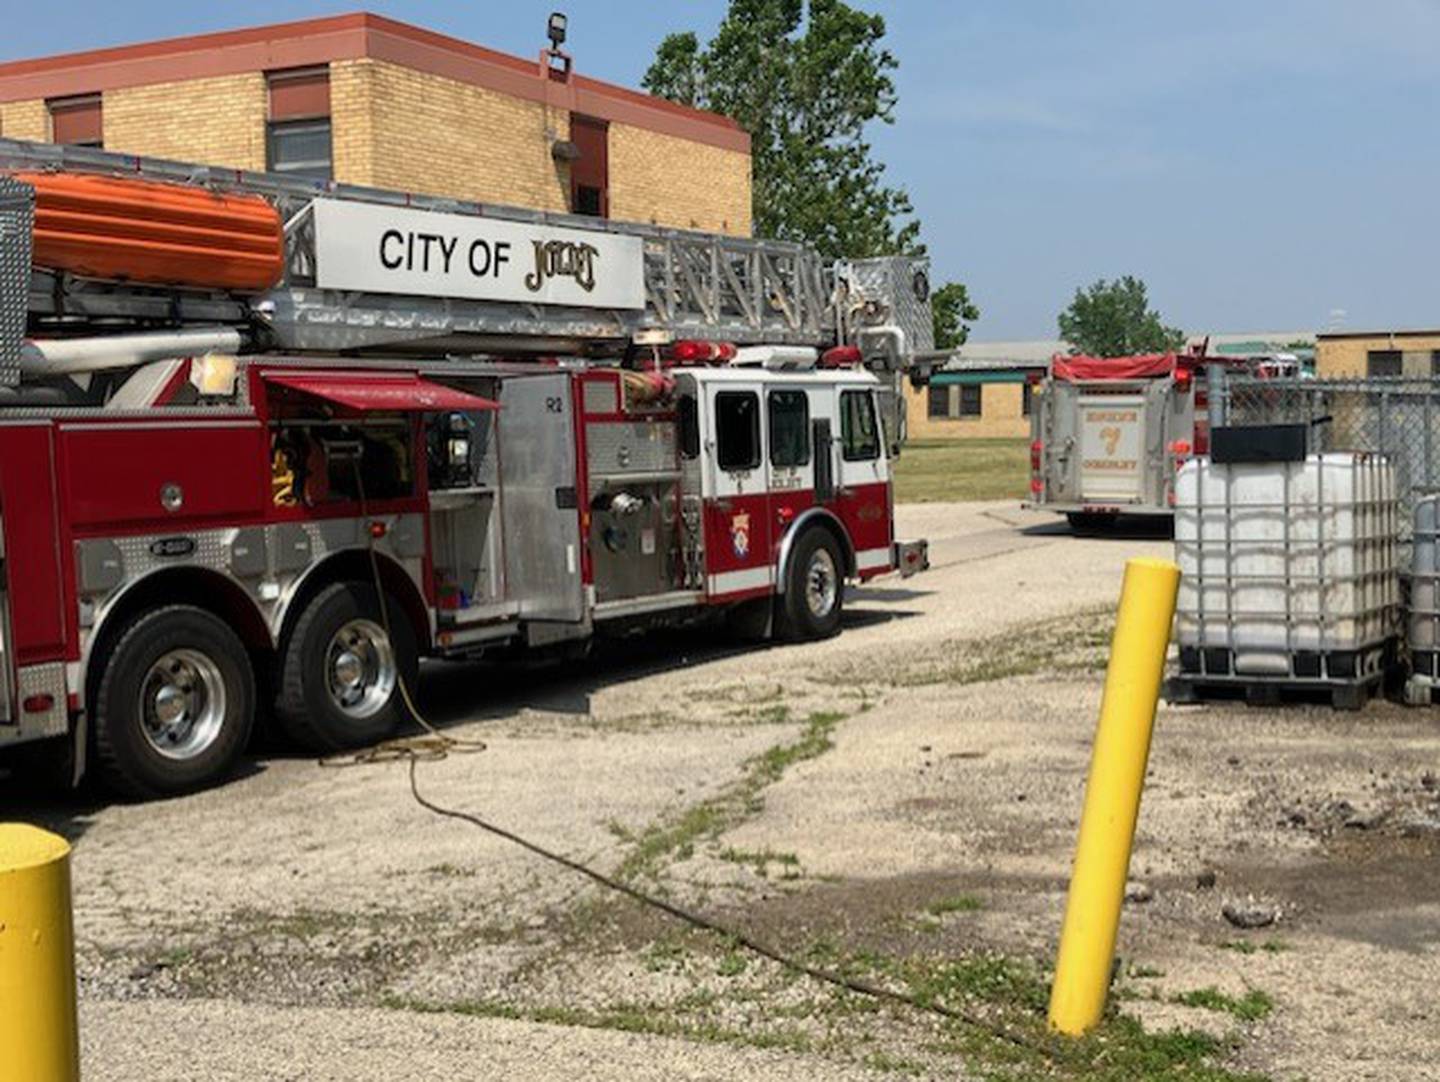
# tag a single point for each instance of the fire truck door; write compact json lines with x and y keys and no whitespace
{"x":539,"y":503}
{"x":738,"y":529}
{"x":791,"y":464}
{"x":863,"y":488}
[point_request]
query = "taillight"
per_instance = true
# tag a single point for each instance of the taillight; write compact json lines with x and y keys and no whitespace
{"x":1036,"y":450}
{"x":1183,"y":379}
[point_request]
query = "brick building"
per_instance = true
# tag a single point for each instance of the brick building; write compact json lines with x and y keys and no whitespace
{"x":367,"y":100}
{"x":1348,"y":354}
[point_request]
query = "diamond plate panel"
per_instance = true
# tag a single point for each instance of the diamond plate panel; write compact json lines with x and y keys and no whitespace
{"x":898,"y":287}
{"x":630,"y":447}
{"x":47,"y":679}
{"x":17,"y":216}
{"x":601,"y":396}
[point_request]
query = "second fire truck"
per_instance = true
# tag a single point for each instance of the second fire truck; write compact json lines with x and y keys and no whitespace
{"x":264,"y":445}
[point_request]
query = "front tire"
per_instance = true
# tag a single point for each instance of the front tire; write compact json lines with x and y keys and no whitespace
{"x":814,"y":588}
{"x":341,"y":673}
{"x":175,"y":704}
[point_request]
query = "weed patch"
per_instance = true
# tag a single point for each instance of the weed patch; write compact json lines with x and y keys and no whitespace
{"x":1251,"y":1007}
{"x":676,"y":840}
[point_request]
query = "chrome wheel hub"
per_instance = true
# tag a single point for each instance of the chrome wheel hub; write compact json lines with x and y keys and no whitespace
{"x":822,"y":584}
{"x":182,"y":704}
{"x":360,"y":669}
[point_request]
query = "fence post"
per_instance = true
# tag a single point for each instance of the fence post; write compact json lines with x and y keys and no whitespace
{"x":1112,"y":794}
{"x":1215,"y":392}
{"x":39,"y":1036}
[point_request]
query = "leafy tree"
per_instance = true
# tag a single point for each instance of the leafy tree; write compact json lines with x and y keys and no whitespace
{"x":805,"y":86}
{"x":1114,"y":319}
{"x":953,"y":312}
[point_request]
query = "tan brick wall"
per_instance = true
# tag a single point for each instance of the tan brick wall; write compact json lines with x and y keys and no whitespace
{"x":1337,"y":358}
{"x":675,"y":182}
{"x":1000,"y":415}
{"x":394,"y":127}
{"x":25,"y":120}
{"x":441,"y":137}
{"x":218,"y":121}
{"x":352,"y":120}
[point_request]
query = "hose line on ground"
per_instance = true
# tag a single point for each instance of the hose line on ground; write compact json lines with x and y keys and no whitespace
{"x":432,"y":746}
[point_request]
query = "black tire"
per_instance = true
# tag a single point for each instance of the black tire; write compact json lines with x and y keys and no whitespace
{"x":816,"y":551}
{"x":206,"y":657}
{"x":1091,"y":523}
{"x":310,"y":714}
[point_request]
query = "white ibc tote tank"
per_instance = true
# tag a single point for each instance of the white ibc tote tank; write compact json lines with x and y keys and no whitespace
{"x":1290,"y":567}
{"x":1424,"y":621}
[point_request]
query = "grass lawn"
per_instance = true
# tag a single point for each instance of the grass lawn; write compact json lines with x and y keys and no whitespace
{"x":975,"y":469}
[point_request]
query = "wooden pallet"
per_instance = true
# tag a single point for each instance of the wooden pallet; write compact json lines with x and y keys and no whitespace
{"x":1196,"y":688}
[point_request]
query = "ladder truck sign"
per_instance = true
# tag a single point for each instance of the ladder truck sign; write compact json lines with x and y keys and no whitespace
{"x":373,"y":248}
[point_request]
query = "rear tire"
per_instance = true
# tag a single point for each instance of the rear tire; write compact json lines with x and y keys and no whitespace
{"x":814,"y":597}
{"x":175,"y":704}
{"x":340,"y":674}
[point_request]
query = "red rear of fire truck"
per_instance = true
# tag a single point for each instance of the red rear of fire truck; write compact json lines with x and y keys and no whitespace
{"x":264,"y":444}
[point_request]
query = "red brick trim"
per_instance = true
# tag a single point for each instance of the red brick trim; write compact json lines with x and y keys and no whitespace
{"x":353,"y":37}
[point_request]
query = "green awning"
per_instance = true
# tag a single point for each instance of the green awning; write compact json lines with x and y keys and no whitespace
{"x":972,"y":378}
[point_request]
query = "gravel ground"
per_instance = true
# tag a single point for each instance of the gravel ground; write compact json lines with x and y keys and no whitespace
{"x":908,"y":788}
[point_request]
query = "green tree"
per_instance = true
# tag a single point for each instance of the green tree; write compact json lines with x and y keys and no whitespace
{"x":1114,"y":319}
{"x":953,"y":312}
{"x":805,"y":85}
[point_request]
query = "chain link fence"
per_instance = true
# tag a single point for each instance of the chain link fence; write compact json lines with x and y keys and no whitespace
{"x":1399,"y":418}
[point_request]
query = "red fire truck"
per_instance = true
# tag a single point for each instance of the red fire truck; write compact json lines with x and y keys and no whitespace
{"x":266,"y":443}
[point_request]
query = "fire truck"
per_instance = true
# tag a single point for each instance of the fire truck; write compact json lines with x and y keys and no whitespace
{"x":1108,"y":435}
{"x":265,"y":443}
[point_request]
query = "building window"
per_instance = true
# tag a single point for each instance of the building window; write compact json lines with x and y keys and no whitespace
{"x":76,"y":121}
{"x":1384,"y":362}
{"x":297,"y":137}
{"x":590,"y":171}
{"x":970,"y":400}
{"x":1027,"y":392}
{"x":737,"y":430}
{"x":1435,"y":362}
{"x":938,"y":401}
{"x":789,"y":428}
{"x":859,"y":438}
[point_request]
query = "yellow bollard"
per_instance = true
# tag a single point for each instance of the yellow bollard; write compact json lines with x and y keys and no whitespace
{"x":39,"y":1037}
{"x":1112,"y":795}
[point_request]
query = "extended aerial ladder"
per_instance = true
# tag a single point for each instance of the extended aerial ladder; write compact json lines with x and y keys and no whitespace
{"x":695,"y":285}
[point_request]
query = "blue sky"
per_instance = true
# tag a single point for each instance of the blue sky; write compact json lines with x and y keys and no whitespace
{"x":1260,"y":164}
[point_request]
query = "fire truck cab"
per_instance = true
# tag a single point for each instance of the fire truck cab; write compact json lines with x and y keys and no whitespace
{"x":219,"y":500}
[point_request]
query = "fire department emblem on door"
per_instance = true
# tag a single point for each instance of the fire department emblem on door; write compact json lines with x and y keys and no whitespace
{"x":740,"y":534}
